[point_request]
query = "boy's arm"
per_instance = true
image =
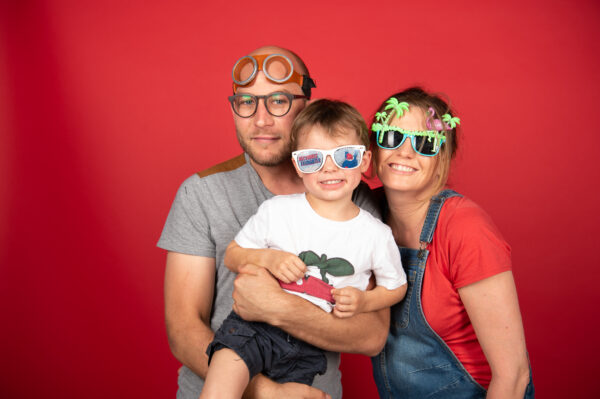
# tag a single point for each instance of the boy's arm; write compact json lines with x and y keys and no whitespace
{"x":350,"y":301}
{"x":258,"y":297}
{"x":285,"y":266}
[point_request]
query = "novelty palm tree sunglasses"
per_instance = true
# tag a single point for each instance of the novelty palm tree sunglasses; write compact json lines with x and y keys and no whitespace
{"x":344,"y":157}
{"x":424,"y":142}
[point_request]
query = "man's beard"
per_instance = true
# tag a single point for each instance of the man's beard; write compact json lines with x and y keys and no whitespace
{"x":274,"y":160}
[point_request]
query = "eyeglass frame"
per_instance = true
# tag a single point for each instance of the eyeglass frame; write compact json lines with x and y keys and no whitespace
{"x":291,"y":97}
{"x":329,"y":153}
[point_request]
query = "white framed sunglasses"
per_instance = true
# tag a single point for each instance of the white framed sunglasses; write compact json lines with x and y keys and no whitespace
{"x":345,"y":157}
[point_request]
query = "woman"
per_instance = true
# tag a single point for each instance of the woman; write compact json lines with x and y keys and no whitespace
{"x":458,"y":333}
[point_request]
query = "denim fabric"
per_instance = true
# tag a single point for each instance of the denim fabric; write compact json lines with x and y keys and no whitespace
{"x":416,"y":362}
{"x":269,"y":350}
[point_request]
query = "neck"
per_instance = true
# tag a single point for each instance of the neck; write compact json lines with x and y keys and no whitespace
{"x":338,"y":210}
{"x":406,"y":217}
{"x":280,"y":179}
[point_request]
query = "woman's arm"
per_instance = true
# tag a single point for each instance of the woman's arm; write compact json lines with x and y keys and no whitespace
{"x":493,"y":308}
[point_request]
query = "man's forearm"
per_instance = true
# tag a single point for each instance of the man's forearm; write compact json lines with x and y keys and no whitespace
{"x":364,"y":333}
{"x":189,"y":347}
{"x":258,"y":297}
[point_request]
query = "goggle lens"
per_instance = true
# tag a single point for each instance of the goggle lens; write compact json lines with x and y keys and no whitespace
{"x":244,"y":70}
{"x":346,"y":157}
{"x":276,"y":67}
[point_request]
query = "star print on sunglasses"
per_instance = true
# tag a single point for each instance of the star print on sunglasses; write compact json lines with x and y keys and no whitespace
{"x":344,"y":157}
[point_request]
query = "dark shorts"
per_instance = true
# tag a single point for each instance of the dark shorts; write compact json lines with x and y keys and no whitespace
{"x":269,"y":350}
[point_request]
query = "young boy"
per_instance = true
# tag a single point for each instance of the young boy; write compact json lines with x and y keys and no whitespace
{"x":312,"y":243}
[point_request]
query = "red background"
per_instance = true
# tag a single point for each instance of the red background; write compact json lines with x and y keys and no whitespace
{"x":105,"y":107}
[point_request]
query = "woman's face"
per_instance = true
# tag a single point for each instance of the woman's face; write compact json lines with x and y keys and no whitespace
{"x":403,"y":169}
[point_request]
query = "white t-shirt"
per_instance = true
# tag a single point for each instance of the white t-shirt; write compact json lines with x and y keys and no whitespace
{"x":288,"y":223}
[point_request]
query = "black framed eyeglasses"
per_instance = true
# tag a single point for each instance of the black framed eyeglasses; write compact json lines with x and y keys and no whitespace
{"x":277,"y":104}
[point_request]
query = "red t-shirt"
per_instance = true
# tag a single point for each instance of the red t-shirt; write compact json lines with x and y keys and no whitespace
{"x":466,"y":248}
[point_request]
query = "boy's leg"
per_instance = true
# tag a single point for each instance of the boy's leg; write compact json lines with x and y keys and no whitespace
{"x":227,"y":376}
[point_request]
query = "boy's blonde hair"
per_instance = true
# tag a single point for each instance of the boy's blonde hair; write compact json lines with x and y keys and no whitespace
{"x":333,"y":116}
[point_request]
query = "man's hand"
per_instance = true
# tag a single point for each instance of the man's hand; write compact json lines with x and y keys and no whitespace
{"x":348,"y":301}
{"x":256,"y":293}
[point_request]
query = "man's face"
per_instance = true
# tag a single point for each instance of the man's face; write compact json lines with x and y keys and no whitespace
{"x":264,"y":137}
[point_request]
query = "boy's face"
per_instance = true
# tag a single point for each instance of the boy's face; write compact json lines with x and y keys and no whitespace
{"x":331,"y":183}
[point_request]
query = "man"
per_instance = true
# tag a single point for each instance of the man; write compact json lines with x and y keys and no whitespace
{"x":271,"y":87}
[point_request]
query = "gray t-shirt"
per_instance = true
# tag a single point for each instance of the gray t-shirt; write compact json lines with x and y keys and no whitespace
{"x":205,"y":216}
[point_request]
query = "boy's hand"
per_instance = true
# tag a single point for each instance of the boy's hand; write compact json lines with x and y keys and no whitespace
{"x":285,"y":266}
{"x":348,"y":301}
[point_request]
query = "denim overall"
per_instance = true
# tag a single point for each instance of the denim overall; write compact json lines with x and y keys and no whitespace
{"x":416,"y":362}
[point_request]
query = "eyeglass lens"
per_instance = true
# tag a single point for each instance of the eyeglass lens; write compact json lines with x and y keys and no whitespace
{"x":310,"y":161}
{"x":421,"y":144}
{"x":245,"y":105}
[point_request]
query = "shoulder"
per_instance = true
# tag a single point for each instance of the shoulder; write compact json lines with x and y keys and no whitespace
{"x":235,"y":175}
{"x":464,"y":214}
{"x":226,"y":166}
{"x":463,"y":224}
{"x":282,"y":202}
{"x":373,"y":226}
{"x":473,"y":245}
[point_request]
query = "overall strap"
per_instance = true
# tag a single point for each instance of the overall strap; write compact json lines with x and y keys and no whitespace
{"x":433,"y":213}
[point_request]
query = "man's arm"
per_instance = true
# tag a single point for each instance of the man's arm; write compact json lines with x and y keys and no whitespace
{"x":189,"y":288}
{"x":258,"y":297}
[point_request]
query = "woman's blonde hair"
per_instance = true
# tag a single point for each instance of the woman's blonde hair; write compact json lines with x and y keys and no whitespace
{"x":417,"y":97}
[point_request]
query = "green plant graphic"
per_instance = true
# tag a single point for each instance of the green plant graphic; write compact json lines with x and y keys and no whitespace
{"x":335,"y":266}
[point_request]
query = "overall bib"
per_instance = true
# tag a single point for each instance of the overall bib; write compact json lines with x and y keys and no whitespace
{"x":416,"y":362}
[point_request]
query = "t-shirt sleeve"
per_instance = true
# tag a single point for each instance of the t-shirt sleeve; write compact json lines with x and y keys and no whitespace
{"x":254,"y":233}
{"x":387,"y":266}
{"x":187,"y":228}
{"x":476,"y":248}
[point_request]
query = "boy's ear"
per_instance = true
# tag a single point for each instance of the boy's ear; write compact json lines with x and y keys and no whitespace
{"x":300,"y":174}
{"x":366,"y":161}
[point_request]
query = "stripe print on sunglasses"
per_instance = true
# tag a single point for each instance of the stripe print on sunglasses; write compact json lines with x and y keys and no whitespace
{"x":345,"y":157}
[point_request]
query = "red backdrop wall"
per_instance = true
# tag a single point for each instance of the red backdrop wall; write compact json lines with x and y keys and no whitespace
{"x":105,"y":107}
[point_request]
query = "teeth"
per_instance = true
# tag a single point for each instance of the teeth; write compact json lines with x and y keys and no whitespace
{"x":402,"y":168}
{"x":331,"y":182}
